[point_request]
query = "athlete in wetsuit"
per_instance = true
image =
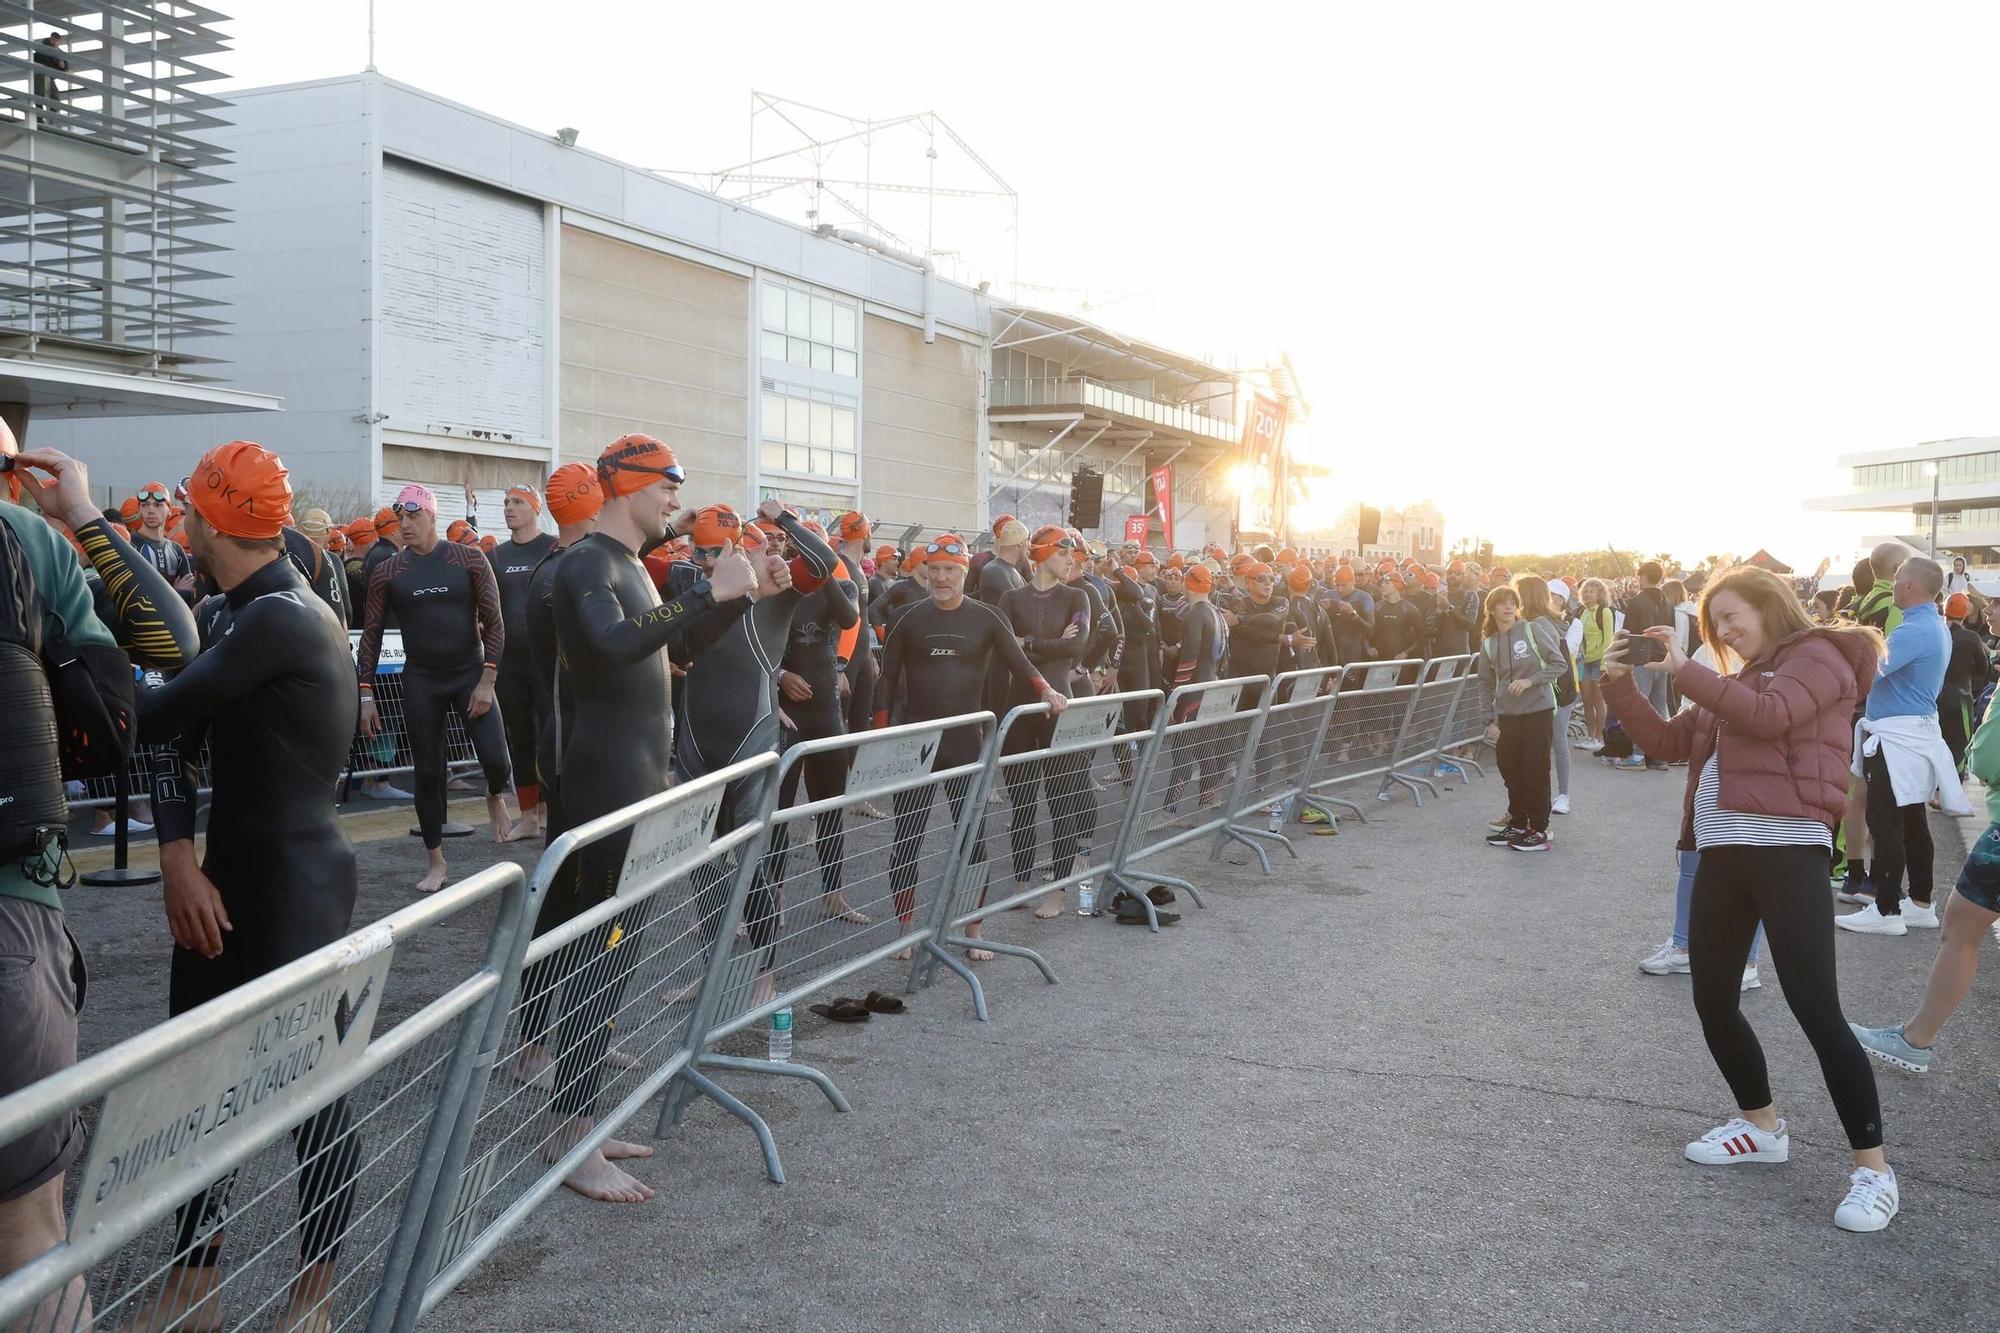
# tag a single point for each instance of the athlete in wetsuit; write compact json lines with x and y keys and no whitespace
{"x":935,"y":666}
{"x":1050,"y":617}
{"x":612,"y":636}
{"x":149,"y":539}
{"x":443,"y":595}
{"x":913,"y":589}
{"x":574,"y":499}
{"x":274,"y":693}
{"x":514,"y":562}
{"x":1203,"y":642}
{"x":808,"y":683}
{"x":1139,"y":658}
{"x":851,"y":535}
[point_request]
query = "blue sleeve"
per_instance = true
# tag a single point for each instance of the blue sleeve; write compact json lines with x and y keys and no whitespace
{"x":1906,"y":649}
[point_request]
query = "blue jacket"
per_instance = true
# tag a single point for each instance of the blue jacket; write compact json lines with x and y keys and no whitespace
{"x":1909,"y":679}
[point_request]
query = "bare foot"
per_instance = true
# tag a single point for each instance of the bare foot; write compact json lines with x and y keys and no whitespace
{"x":310,"y":1309}
{"x":598,"y":1179}
{"x":496,"y":815}
{"x":1049,"y":908}
{"x":837,"y":907}
{"x":618,"y":1150}
{"x":524,"y":828}
{"x":434,"y":881}
{"x":188,"y":1299}
{"x":765,"y":987}
{"x":532,"y":1064}
{"x":905,"y":955}
{"x":978,"y":955}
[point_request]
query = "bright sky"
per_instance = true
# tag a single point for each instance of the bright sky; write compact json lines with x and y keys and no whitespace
{"x":1583,"y":273}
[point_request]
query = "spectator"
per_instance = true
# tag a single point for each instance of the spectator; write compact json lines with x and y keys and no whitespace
{"x":49,"y":55}
{"x":1900,"y":755}
{"x":1589,"y":635}
{"x":1647,"y":609}
{"x":1965,"y":675}
{"x":1519,"y":660}
{"x":1760,"y":810}
{"x":1960,"y":579}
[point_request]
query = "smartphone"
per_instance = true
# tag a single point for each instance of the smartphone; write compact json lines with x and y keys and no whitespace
{"x":1640,"y":650}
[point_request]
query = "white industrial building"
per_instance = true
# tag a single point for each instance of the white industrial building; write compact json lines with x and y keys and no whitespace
{"x":438,"y":295}
{"x":1950,"y":487}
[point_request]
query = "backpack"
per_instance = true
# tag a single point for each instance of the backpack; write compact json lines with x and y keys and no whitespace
{"x":1565,"y":685}
{"x":1617,"y":741}
{"x":31,"y":785}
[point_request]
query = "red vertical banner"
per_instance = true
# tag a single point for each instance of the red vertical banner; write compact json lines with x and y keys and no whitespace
{"x":1135,"y":528}
{"x":1262,"y":467}
{"x":1163,"y":502}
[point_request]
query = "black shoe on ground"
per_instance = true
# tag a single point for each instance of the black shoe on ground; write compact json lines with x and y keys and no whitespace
{"x":1530,"y":841}
{"x":1503,"y":837}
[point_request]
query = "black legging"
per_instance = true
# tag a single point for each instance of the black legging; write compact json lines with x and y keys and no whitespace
{"x":428,"y":703}
{"x":1523,"y":755}
{"x":1063,"y":782}
{"x":520,"y":720}
{"x":1785,"y":888}
{"x":1900,"y":836}
{"x":825,"y":777}
{"x":912,"y":811}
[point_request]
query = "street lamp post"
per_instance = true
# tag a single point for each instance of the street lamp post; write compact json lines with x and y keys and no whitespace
{"x":1931,"y":471}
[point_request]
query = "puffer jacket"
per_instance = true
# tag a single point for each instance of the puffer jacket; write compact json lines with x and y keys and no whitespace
{"x":1784,"y":726}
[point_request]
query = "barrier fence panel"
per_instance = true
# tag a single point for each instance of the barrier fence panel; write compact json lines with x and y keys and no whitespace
{"x":1279,"y":759}
{"x":1368,"y":718}
{"x":598,"y":1007}
{"x":835,"y":894}
{"x":192,"y":1210}
{"x":1420,"y":751}
{"x":1465,"y":729}
{"x":1069,"y":782}
{"x":1182,"y":791}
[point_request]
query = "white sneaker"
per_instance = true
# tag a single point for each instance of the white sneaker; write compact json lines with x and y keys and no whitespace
{"x":1870,"y":921}
{"x":1871,"y":1203}
{"x":1740,"y":1141}
{"x":1664,"y":960}
{"x":1559,"y":806}
{"x":1751,"y":981}
{"x":1919,"y":916}
{"x":385,"y":792}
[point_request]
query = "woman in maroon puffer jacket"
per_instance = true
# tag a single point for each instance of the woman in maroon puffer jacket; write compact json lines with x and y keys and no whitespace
{"x":1768,"y":751}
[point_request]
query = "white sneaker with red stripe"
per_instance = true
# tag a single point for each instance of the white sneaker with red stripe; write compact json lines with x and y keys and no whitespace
{"x":1740,"y":1141}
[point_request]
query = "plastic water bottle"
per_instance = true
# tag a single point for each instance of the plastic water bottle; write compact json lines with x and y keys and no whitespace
{"x":1086,"y":898}
{"x":780,"y":1047}
{"x":1277,"y":819}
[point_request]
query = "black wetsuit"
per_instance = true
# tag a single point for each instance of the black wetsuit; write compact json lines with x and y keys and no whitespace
{"x":732,"y":709}
{"x":514,"y":566}
{"x":935,"y":666}
{"x":1105,"y":634}
{"x":452,"y":631}
{"x":862,"y":668}
{"x":811,"y":653}
{"x":144,"y":613}
{"x":612,"y":637}
{"x":274,"y":693}
{"x":1138,"y":658}
{"x":167,"y":557}
{"x":382,"y":549}
{"x":547,"y":680}
{"x":1170,"y":611}
{"x":1039,"y":617}
{"x":903,"y":594}
{"x":1203,"y":642}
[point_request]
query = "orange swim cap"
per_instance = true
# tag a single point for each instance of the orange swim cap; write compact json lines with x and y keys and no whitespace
{"x":1199,"y":579}
{"x":634,"y":462}
{"x":242,"y":490}
{"x":716,"y":526}
{"x":574,"y":493}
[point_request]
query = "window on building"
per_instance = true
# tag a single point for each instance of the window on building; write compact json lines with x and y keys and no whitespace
{"x":808,"y":330}
{"x":810,"y":433}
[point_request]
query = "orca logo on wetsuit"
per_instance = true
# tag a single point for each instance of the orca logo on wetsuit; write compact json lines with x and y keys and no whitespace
{"x":419,"y":592}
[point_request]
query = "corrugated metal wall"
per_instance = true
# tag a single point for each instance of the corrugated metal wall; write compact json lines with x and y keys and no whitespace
{"x":463,"y":288}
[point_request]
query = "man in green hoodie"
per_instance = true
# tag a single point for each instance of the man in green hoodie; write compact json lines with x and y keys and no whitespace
{"x":1974,"y":908}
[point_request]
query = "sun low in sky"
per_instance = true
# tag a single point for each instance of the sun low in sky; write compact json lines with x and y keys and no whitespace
{"x":1583,"y":273}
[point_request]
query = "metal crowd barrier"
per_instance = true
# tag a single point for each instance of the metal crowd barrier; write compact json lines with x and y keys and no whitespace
{"x":1465,"y":729}
{"x":781,"y":947}
{"x":1070,"y":782}
{"x":1184,"y":780}
{"x":1278,"y":760}
{"x":1366,"y":727}
{"x":1440,"y":689}
{"x":188,"y":1209}
{"x":598,"y":1012}
{"x":664,"y":928}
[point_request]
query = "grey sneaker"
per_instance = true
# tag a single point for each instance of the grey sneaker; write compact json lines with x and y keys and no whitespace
{"x":1891,"y":1047}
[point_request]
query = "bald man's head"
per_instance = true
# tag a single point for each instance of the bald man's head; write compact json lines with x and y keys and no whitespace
{"x":1887,"y":558}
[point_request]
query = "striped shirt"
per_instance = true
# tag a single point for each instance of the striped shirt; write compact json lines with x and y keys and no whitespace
{"x":1716,"y":827}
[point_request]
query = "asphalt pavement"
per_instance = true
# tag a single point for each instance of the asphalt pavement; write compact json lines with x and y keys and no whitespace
{"x":1407,"y":1081}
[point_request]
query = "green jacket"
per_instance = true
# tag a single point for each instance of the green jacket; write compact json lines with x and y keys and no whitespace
{"x":1878,"y":607}
{"x":1982,"y":758}
{"x":67,"y":614}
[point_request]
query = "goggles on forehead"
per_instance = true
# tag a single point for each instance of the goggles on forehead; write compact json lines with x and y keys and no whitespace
{"x":673,"y":472}
{"x":947,"y":548}
{"x":157,"y":495}
{"x":182,"y":491}
{"x":399,"y":507}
